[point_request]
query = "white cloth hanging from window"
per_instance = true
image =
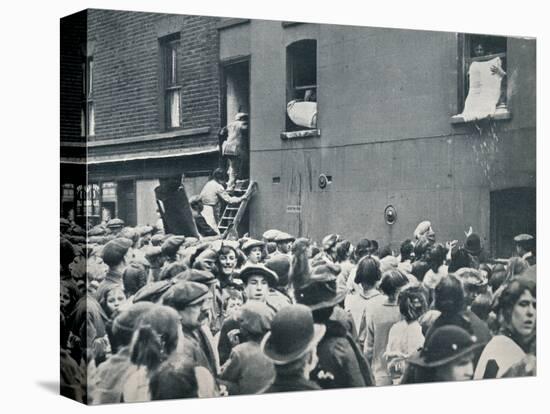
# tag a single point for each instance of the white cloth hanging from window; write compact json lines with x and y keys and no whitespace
{"x":484,"y":92}
{"x":303,"y":114}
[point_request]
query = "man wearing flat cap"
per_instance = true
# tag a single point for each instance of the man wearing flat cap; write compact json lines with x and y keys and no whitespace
{"x":525,"y":248}
{"x":191,"y":301}
{"x":115,"y":255}
{"x":284,"y":243}
{"x":115,"y":225}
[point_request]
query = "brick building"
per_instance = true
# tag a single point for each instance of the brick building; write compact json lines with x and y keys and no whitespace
{"x":388,"y":132}
{"x":140,"y":100}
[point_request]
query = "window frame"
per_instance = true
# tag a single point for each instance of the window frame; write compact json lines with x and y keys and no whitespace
{"x":464,"y":59}
{"x":292,"y":130}
{"x":87,"y":110}
{"x":170,"y":84}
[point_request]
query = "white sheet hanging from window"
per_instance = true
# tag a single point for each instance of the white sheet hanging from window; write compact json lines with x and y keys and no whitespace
{"x":485,"y":88}
{"x":303,"y":114}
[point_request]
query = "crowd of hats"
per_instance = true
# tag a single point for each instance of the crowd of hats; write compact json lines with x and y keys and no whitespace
{"x":180,"y":272}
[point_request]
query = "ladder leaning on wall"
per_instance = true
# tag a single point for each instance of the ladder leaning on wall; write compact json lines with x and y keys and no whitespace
{"x":233,"y":213}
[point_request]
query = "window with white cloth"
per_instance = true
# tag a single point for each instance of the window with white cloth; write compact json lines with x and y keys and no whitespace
{"x":482,"y":77}
{"x":301,"y":107}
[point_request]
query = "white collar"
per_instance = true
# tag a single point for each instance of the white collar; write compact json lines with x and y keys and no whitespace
{"x":526,"y":255}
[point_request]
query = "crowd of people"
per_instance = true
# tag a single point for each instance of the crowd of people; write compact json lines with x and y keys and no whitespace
{"x":147,"y":315}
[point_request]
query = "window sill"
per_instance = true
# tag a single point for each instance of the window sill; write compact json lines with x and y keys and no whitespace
{"x":501,"y":116}
{"x":174,"y":133}
{"x":308,"y":133}
{"x":231,"y":22}
{"x":288,"y":24}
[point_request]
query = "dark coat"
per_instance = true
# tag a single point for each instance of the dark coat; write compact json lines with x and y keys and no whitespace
{"x":197,"y":350}
{"x":291,"y":383}
{"x":341,"y":362}
{"x":468,"y":321}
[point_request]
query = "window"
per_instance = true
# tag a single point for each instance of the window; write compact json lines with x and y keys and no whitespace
{"x":171,"y":87}
{"x":87,"y":112}
{"x":301,"y":101}
{"x":482,"y":77}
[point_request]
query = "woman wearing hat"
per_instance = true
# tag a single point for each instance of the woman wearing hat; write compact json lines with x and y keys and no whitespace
{"x":448,"y":355}
{"x":248,"y":370}
{"x":516,"y":340}
{"x":254,"y":251}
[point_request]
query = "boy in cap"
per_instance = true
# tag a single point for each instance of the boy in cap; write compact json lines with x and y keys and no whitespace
{"x":248,"y":370}
{"x":257,"y":280}
{"x":291,"y":345}
{"x":115,"y":255}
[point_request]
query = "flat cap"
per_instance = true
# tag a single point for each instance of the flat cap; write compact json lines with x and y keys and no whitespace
{"x":282,"y":237}
{"x":171,"y":245}
{"x":270,"y":235}
{"x":184,"y":294}
{"x":116,"y":222}
{"x":114,"y":251}
{"x":523,"y":238}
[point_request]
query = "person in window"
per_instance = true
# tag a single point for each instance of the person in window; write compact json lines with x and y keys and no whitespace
{"x":213,"y":194}
{"x":234,"y":147}
{"x":485,"y":80}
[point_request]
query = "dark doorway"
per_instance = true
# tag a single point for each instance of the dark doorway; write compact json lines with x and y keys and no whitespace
{"x":126,"y":197}
{"x":235,"y":99}
{"x":513,"y":211}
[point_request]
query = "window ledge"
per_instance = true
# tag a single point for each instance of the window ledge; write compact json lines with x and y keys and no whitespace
{"x":308,"y":133}
{"x":176,"y":133}
{"x":231,"y":22}
{"x":288,"y":24}
{"x":501,"y":116}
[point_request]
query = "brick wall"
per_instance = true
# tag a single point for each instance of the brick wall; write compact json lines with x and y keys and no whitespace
{"x":73,"y":36}
{"x":127,"y":93}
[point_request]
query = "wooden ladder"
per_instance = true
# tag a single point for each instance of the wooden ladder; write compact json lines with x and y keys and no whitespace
{"x":234,"y":212}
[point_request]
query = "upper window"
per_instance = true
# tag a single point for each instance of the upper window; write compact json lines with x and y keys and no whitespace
{"x":482,"y":77}
{"x":171,"y":80}
{"x":301,"y":111}
{"x":87,"y":111}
